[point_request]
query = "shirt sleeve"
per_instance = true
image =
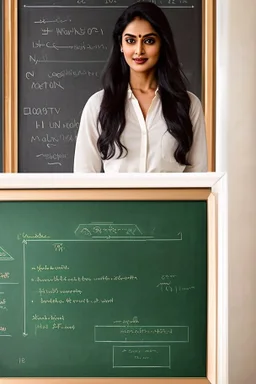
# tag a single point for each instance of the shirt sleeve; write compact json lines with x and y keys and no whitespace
{"x":197,"y":156}
{"x":87,"y":158}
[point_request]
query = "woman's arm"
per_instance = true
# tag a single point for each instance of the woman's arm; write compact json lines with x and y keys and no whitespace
{"x":87,"y":157}
{"x":197,"y":156}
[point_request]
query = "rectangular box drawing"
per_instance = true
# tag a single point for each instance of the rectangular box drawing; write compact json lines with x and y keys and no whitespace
{"x":146,"y":356}
{"x":141,"y":334}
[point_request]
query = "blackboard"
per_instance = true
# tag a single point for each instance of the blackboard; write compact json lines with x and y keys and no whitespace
{"x":106,"y":289}
{"x":1,"y":85}
{"x":63,"y":47}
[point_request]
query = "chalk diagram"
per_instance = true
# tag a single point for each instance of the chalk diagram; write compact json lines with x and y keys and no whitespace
{"x":4,"y":255}
{"x":141,"y":353}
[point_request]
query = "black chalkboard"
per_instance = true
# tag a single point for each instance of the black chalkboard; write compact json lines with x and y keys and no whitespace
{"x":1,"y":85}
{"x":63,"y":47}
{"x":103,"y":289}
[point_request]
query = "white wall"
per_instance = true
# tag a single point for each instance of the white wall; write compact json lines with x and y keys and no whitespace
{"x":236,"y":154}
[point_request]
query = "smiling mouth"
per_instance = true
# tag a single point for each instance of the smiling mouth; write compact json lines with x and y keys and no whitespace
{"x":140,"y":61}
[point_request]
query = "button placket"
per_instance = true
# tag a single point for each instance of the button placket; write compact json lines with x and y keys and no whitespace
{"x":144,"y":136}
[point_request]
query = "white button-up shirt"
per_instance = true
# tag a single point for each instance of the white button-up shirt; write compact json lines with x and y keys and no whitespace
{"x":150,"y":146}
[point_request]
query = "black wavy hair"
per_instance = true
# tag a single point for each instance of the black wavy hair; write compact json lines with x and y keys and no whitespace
{"x":171,"y":86}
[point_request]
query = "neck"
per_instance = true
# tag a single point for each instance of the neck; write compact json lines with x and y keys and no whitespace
{"x":143,"y":82}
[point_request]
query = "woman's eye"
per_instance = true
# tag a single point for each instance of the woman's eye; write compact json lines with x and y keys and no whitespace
{"x":130,"y":41}
{"x":149,"y":41}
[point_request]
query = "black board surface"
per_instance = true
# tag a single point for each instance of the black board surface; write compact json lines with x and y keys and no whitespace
{"x":1,"y":84}
{"x":103,"y":289}
{"x":63,"y":47}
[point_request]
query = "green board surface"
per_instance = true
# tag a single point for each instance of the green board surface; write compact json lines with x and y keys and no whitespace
{"x":105,"y":289}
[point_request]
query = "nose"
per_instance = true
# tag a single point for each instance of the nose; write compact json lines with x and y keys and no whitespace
{"x":139,"y":48}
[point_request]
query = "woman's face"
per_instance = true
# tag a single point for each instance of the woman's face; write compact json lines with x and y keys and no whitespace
{"x":141,"y":46}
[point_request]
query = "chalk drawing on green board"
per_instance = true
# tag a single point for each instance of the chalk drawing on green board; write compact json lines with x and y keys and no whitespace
{"x":3,"y":303}
{"x":4,"y":332}
{"x":4,"y":255}
{"x":24,"y":243}
{"x":58,"y":245}
{"x":118,"y":232}
{"x":99,"y":230}
{"x":141,"y":334}
{"x":138,"y":356}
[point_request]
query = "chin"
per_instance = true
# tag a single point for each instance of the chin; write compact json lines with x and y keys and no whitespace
{"x":141,"y":69}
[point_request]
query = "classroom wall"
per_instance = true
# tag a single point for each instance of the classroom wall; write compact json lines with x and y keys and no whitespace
{"x":236,"y":154}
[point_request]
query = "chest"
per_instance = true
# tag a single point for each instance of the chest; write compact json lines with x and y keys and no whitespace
{"x":145,"y":101}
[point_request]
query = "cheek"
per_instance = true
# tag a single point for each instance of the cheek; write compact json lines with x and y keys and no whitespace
{"x":128,"y":52}
{"x":155,"y":52}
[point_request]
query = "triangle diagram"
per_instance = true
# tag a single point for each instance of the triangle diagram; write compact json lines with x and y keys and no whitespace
{"x":4,"y":256}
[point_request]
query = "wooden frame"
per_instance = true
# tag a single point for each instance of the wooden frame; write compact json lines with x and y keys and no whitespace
{"x":11,"y":82}
{"x":209,"y":70}
{"x":10,"y":146}
{"x":109,"y":194}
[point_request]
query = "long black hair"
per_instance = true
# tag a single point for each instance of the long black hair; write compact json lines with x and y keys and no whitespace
{"x":171,"y":87}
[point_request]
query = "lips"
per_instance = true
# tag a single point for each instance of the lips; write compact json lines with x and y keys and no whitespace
{"x":140,"y":61}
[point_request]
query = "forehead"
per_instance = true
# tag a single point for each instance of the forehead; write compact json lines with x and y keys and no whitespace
{"x":139,"y":27}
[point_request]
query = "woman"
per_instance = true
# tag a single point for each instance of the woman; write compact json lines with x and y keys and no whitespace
{"x":144,"y":119}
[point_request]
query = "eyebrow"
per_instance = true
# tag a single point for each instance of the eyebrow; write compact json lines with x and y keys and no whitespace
{"x":148,"y":34}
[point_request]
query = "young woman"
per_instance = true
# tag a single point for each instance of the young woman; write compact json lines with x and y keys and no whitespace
{"x":144,"y":119}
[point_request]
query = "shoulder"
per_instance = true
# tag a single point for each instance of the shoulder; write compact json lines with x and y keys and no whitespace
{"x":92,"y":106}
{"x":194,"y":100}
{"x":94,"y":101}
{"x":97,"y":96}
{"x":90,"y":111}
{"x":196,"y":110}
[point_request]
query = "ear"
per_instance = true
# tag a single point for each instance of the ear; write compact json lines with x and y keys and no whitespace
{"x":121,"y":49}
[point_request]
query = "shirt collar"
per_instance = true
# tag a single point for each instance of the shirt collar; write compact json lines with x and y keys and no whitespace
{"x":131,"y":95}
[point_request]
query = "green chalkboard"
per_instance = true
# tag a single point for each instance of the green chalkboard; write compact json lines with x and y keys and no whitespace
{"x":103,"y":288}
